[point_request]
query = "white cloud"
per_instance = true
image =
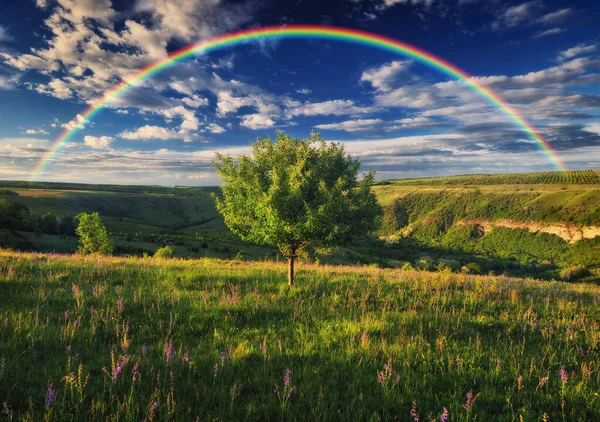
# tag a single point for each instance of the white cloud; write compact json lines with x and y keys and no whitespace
{"x":304,"y":91}
{"x":577,"y":51}
{"x":382,"y":77}
{"x":189,"y":120}
{"x":194,"y":101}
{"x":42,"y":4}
{"x":8,"y":82}
{"x":256,"y":121}
{"x":35,"y":132}
{"x":215,"y":128}
{"x":325,"y":108}
{"x":555,"y":17}
{"x":96,"y":142}
{"x":517,"y":14}
{"x":355,"y":125}
{"x":57,"y":88}
{"x":4,"y":34}
{"x":150,"y":132}
{"x":548,"y":32}
{"x":122,"y":111}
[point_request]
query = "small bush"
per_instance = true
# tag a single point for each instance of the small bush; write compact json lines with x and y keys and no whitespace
{"x":164,"y":252}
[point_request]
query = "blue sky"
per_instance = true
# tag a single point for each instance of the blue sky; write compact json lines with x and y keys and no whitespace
{"x":400,"y":117}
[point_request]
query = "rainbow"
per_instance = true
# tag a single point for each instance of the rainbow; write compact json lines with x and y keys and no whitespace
{"x":296,"y":31}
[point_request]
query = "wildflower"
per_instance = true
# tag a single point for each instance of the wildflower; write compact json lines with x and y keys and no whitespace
{"x":235,"y":390}
{"x":288,"y":388}
{"x":135,"y":371}
{"x":118,"y":366}
{"x":413,"y":412}
{"x":543,"y":381}
{"x":50,"y":397}
{"x":76,"y":323}
{"x":6,"y":409}
{"x":153,"y":409}
{"x":386,"y":377}
{"x":169,"y":352}
{"x":144,"y":349}
{"x":564,"y":377}
{"x":118,"y":329}
{"x":225,"y":357}
{"x":470,"y":402}
{"x":215,"y":368}
{"x":444,"y":416}
{"x":520,"y":382}
{"x":67,"y":314}
{"x":68,"y":350}
{"x":186,"y":358}
{"x":120,"y":305}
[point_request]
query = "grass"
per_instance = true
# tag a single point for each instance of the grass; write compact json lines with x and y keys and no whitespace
{"x":213,"y":340}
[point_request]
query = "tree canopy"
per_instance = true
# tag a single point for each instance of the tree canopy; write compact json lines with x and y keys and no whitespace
{"x":296,"y":192}
{"x":93,"y":237}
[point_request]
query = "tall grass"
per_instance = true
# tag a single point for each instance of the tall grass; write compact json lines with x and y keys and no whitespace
{"x":84,"y":338}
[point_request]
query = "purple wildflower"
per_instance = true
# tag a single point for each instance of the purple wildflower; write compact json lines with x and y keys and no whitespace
{"x":543,"y":381}
{"x":118,"y":366}
{"x":186,"y":358}
{"x":135,"y":371}
{"x":235,"y":390}
{"x":6,"y":409}
{"x":169,"y":352}
{"x":118,"y":329}
{"x":76,"y":323}
{"x":67,"y":314}
{"x":144,"y":349}
{"x":225,"y":357}
{"x":215,"y":368}
{"x":470,"y":402}
{"x":50,"y":397}
{"x":564,"y":377}
{"x":120,"y":305}
{"x":444,"y":416}
{"x":288,"y":388}
{"x":413,"y":412}
{"x":387,"y":375}
{"x":153,"y":409}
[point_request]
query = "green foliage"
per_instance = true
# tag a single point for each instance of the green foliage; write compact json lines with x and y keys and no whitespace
{"x":293,"y":193}
{"x":93,"y":237}
{"x":164,"y":252}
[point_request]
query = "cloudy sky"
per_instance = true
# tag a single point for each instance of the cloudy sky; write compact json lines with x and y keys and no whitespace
{"x":400,"y":117}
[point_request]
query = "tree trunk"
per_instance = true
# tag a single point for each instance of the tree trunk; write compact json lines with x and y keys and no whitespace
{"x":291,"y":270}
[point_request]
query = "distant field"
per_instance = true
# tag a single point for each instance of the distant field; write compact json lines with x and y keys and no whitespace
{"x":133,"y":339}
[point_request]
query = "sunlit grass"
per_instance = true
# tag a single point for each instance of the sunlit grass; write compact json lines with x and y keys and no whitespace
{"x":133,"y":339}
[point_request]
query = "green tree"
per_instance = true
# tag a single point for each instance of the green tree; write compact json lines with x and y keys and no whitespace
{"x":293,"y":193}
{"x":93,"y":237}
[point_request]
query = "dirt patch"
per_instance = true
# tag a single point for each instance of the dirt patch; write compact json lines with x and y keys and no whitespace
{"x":568,"y":232}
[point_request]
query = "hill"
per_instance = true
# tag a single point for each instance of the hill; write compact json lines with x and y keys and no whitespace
{"x":132,"y":338}
{"x":537,"y":224}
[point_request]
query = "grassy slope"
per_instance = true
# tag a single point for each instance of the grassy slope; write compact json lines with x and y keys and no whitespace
{"x":444,"y":334}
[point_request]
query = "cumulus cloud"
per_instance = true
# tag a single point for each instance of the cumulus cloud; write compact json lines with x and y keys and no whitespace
{"x":517,"y":14}
{"x":98,"y":142}
{"x":330,"y":107}
{"x":355,"y":125}
{"x":257,"y":121}
{"x":215,"y":128}
{"x":382,"y":77}
{"x":35,"y":132}
{"x":150,"y":132}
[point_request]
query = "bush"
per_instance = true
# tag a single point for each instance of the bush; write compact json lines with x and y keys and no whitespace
{"x":164,"y":252}
{"x":573,"y":272}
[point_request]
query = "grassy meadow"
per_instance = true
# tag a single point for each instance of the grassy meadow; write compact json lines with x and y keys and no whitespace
{"x":99,"y":338}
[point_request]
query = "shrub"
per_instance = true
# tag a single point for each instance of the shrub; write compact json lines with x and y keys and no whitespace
{"x":164,"y":252}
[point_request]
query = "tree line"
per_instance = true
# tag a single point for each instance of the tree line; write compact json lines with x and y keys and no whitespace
{"x":16,"y":216}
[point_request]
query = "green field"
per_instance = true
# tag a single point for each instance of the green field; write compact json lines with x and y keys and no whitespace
{"x":97,"y":338}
